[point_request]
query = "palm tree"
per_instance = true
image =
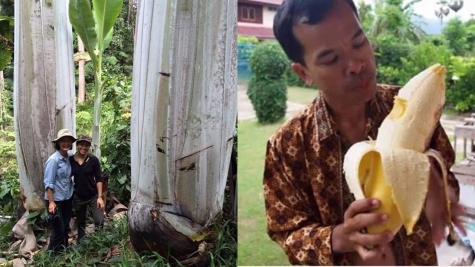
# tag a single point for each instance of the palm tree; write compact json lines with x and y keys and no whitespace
{"x":394,"y":18}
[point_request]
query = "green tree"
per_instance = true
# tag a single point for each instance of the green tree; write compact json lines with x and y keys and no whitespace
{"x":394,"y":18}
{"x":456,"y":35}
{"x":365,"y":13}
{"x":95,"y":27}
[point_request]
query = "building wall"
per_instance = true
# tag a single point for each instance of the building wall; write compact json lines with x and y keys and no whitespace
{"x":268,"y":16}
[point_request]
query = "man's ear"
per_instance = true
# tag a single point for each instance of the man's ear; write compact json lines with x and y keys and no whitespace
{"x":300,"y":70}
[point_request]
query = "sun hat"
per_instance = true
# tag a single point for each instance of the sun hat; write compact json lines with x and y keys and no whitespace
{"x":83,"y":137}
{"x":64,"y":133}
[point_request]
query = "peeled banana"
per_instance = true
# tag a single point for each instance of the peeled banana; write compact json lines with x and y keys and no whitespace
{"x":395,"y":167}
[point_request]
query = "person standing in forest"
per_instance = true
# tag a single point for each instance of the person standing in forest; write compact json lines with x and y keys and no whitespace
{"x":86,"y":169}
{"x":59,"y":190}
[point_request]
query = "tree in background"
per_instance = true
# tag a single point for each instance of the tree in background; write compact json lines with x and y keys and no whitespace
{"x":455,"y":33}
{"x":394,"y":18}
{"x":366,"y":16}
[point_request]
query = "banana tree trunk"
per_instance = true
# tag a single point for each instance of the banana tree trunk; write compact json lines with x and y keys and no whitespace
{"x":81,"y":74}
{"x":43,"y":89}
{"x":183,"y":121}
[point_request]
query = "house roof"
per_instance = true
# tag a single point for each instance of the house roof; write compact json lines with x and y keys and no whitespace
{"x":266,"y":2}
{"x":259,"y":32}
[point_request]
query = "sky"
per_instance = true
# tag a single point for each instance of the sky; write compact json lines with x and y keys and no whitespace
{"x":426,"y":8}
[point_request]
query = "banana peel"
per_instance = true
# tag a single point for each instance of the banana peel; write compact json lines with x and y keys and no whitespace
{"x":395,"y":168}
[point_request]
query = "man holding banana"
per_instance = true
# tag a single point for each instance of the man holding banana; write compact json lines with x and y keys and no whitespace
{"x":310,"y":210}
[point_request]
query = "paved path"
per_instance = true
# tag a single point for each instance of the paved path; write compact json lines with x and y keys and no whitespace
{"x":246,"y":110}
{"x":446,"y":253}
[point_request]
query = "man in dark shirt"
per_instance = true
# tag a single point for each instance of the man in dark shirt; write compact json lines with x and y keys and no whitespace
{"x":86,"y":170}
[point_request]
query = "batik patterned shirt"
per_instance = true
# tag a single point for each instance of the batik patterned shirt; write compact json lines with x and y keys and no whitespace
{"x":306,"y":194}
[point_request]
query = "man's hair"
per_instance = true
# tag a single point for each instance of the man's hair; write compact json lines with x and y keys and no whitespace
{"x":293,"y":12}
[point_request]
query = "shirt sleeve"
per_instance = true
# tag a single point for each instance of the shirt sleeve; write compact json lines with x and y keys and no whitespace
{"x":51,"y":167}
{"x":97,"y":170}
{"x":441,"y":143}
{"x":292,"y":216}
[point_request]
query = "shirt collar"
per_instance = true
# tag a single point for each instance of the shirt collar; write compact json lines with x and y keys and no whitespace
{"x":59,"y":156}
{"x":376,"y":110}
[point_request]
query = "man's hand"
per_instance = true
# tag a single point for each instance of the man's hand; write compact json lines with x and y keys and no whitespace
{"x":436,"y":206}
{"x":349,"y":237}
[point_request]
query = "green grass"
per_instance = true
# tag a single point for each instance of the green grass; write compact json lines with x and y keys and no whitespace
{"x":301,"y":95}
{"x":111,"y":247}
{"x":254,"y":245}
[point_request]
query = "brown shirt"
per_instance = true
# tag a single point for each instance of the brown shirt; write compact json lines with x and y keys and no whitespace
{"x":306,"y":193}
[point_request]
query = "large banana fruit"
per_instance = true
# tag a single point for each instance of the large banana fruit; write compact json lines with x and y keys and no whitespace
{"x":395,"y":167}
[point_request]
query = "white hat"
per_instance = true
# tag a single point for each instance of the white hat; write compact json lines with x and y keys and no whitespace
{"x":64,"y":133}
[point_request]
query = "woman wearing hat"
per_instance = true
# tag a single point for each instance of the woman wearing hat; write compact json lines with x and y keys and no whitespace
{"x":86,"y":170}
{"x":59,"y":189}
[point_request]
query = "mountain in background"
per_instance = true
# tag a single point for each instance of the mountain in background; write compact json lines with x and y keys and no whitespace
{"x":431,"y":26}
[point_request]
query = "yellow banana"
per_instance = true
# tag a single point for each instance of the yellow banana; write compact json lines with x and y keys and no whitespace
{"x":394,"y":167}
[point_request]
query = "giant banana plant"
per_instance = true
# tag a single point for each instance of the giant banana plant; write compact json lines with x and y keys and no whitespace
{"x":43,"y":89}
{"x":95,"y":27}
{"x":183,"y":120}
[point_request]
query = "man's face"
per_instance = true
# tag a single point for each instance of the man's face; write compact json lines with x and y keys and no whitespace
{"x":338,"y":57}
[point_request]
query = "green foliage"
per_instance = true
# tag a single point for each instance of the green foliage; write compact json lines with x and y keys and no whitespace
{"x":267,"y":89}
{"x":389,"y":53}
{"x":247,"y":39}
{"x":83,"y":121}
{"x":82,"y":19}
{"x":111,"y":247}
{"x":106,"y":13}
{"x":6,"y":8}
{"x":116,"y":142}
{"x":389,"y":50}
{"x":470,"y":38}
{"x":455,"y":33}
{"x":9,"y":181}
{"x":6,"y":41}
{"x":461,"y":93}
{"x":95,"y":29}
{"x":6,"y":226}
{"x":268,"y":98}
{"x":292,"y":79}
{"x":365,"y":15}
{"x":420,"y":57}
{"x":268,"y":61}
{"x":395,"y":19}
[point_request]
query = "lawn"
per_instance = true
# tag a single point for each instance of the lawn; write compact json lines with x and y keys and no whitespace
{"x":301,"y":95}
{"x":254,"y":245}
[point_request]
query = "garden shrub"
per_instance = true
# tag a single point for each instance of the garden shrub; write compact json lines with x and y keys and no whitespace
{"x":267,"y":88}
{"x":293,"y":79}
{"x":268,"y":61}
{"x":268,"y":98}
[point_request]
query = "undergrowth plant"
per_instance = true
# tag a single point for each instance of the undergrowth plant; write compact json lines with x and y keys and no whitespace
{"x":111,"y":247}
